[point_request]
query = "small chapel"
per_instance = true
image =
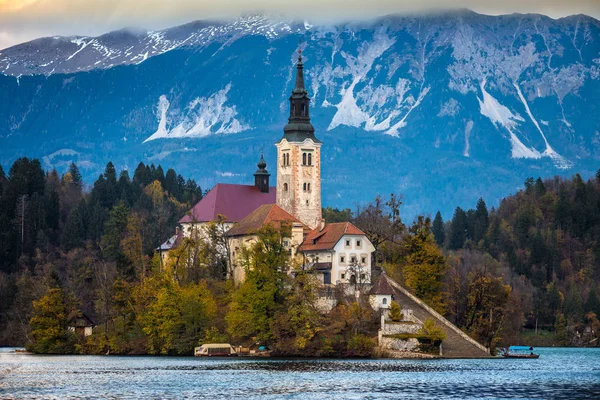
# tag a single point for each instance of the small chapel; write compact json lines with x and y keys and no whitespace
{"x":338,"y":253}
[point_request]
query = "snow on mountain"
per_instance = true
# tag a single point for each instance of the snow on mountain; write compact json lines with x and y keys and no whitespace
{"x":70,"y":54}
{"x":201,"y":117}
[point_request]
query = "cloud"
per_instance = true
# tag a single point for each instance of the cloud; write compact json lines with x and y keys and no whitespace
{"x":27,"y":19}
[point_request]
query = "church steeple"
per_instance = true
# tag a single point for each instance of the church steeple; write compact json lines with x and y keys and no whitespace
{"x":299,"y":126}
{"x":261,"y":176}
{"x":299,"y":159}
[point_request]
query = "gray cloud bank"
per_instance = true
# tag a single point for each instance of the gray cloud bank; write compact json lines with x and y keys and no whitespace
{"x":23,"y":20}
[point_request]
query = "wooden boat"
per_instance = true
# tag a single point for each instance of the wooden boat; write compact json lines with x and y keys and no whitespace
{"x":520,"y":352}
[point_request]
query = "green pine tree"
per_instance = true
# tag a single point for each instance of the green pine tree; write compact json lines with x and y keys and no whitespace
{"x":438,"y":229}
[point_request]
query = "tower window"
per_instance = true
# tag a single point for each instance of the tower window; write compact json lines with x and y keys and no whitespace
{"x":285,"y":187}
{"x":286,"y":159}
{"x":309,"y":159}
{"x":306,"y":202}
{"x":303,"y":110}
{"x":303,"y":158}
{"x":304,"y":187}
{"x":308,"y":187}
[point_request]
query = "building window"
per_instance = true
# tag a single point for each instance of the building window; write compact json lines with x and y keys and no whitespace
{"x":343,"y":276}
{"x":384,"y":301}
{"x":303,"y":110}
{"x":286,"y":243}
{"x":308,"y":187}
{"x":362,"y":277}
{"x":285,"y":187}
{"x":309,"y":159}
{"x":304,"y":187}
{"x":303,"y":158}
{"x":347,"y":243}
{"x":363,"y":260}
{"x":342,"y":259}
{"x":358,"y":243}
{"x":306,"y":202}
{"x":353,"y":259}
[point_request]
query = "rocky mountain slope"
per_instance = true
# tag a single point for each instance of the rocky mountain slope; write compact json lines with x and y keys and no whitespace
{"x":443,"y":108}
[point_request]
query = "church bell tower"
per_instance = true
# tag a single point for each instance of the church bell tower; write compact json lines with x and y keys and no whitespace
{"x":299,"y":159}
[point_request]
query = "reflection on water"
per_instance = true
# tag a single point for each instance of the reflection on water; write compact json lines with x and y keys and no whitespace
{"x":559,"y":374}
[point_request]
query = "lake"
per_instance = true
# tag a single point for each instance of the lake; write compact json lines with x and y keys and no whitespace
{"x":557,"y":374}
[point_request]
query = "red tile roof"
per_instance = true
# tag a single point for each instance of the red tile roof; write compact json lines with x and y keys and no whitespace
{"x":233,"y":201}
{"x":327,"y":238}
{"x":263,"y":215}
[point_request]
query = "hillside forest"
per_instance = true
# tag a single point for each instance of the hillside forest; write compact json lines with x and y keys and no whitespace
{"x":524,"y":273}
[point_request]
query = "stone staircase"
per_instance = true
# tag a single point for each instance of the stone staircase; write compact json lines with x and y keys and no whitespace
{"x":457,"y":343}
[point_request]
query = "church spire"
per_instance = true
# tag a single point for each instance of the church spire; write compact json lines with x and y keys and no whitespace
{"x":299,"y":75}
{"x":261,"y":176}
{"x":299,"y":126}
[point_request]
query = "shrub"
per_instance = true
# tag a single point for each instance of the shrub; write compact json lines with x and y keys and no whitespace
{"x":396,"y":314}
{"x":360,"y":346}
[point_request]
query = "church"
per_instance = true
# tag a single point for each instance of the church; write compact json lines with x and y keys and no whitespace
{"x":338,"y":253}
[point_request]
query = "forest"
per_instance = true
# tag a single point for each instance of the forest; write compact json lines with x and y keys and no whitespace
{"x":526,"y":272}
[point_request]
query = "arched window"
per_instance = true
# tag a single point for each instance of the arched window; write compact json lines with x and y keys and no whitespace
{"x":285,"y":187}
{"x":304,"y":188}
{"x":308,"y":187}
{"x":303,"y":158}
{"x":309,"y":159}
{"x":287,"y":157}
{"x":303,"y":110}
{"x":384,"y":301}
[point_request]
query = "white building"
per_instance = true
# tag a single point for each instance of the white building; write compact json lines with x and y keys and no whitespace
{"x":340,"y":253}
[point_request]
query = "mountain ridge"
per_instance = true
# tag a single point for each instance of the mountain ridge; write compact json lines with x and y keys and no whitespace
{"x":427,"y":106}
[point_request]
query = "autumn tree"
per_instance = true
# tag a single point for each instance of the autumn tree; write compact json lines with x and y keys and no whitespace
{"x":49,"y":324}
{"x":487,"y":300}
{"x":424,"y":264}
{"x":261,"y":296}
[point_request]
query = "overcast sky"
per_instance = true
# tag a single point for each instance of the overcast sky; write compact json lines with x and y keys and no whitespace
{"x":23,"y":20}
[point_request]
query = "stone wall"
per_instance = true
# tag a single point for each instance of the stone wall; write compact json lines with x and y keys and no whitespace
{"x":387,"y":343}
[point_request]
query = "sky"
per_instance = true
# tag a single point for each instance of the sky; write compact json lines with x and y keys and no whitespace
{"x":24,"y":20}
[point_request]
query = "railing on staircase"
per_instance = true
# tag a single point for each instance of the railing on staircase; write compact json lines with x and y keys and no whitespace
{"x":437,"y":315}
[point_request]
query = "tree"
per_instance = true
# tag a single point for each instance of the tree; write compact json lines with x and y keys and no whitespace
{"x":438,"y":229}
{"x":458,"y":230}
{"x":573,"y":308}
{"x":173,"y":317}
{"x":481,"y":221}
{"x":380,"y":220}
{"x":49,"y":324}
{"x":331,"y":215}
{"x":424,"y":264}
{"x":115,"y":228}
{"x":260,"y":297}
{"x":593,"y":302}
{"x":299,"y":321}
{"x":76,"y":179}
{"x":540,"y":188}
{"x":74,"y":232}
{"x":396,"y":314}
{"x":487,"y":306}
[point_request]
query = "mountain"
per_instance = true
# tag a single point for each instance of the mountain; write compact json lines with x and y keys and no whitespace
{"x":443,"y":108}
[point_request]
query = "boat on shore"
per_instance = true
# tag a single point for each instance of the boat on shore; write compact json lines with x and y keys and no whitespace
{"x":520,"y":352}
{"x":215,"y":350}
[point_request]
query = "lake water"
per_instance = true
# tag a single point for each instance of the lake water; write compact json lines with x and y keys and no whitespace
{"x":557,"y":374}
